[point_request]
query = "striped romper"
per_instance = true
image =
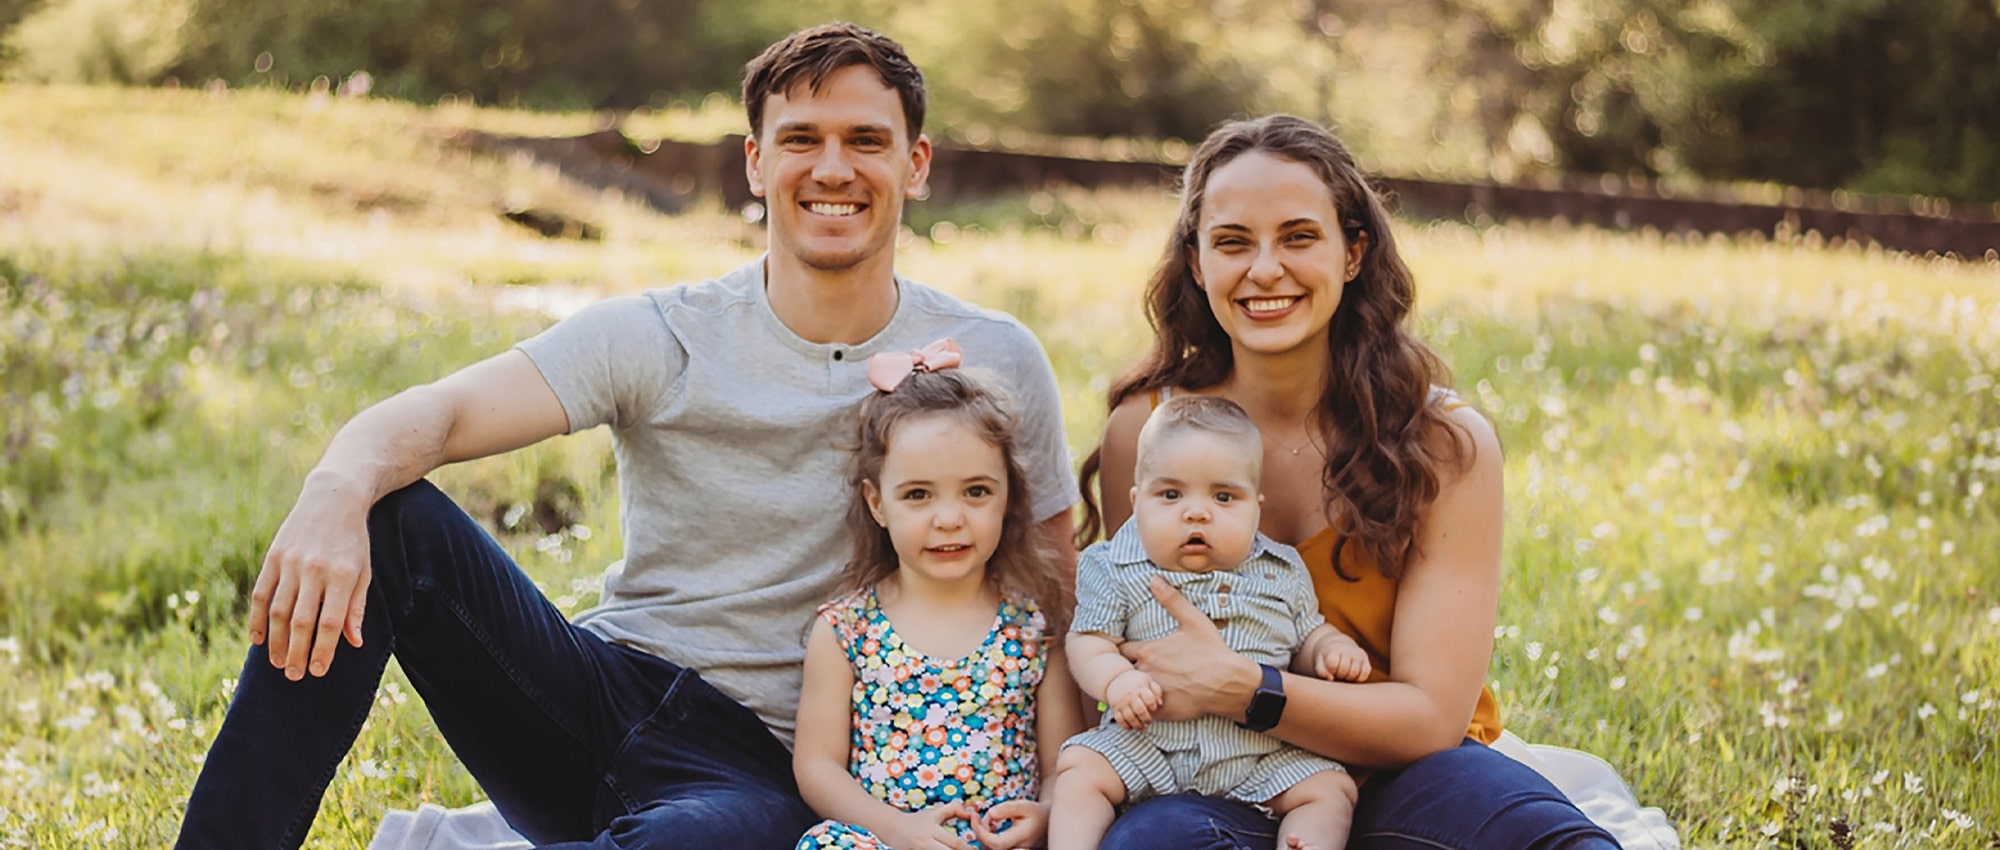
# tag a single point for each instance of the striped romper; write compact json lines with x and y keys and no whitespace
{"x":1266,"y":607}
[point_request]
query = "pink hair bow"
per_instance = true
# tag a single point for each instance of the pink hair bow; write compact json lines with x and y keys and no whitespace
{"x":888,"y":369}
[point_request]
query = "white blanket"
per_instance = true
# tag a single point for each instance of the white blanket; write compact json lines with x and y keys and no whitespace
{"x":1588,"y":781}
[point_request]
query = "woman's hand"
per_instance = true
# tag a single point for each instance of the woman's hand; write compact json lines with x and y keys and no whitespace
{"x":1028,"y":828}
{"x":1196,"y":671}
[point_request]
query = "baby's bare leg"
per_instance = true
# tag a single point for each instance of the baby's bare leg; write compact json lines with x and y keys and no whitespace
{"x":1317,"y":812}
{"x":1087,"y":794}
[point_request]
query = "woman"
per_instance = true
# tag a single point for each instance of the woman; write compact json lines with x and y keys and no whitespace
{"x":1281,"y":289}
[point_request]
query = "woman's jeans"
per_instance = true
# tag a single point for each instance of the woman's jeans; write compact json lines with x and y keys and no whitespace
{"x":579,"y":743}
{"x":1469,"y":798}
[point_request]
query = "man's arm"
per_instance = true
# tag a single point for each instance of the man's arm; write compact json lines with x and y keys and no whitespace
{"x":314,"y":583}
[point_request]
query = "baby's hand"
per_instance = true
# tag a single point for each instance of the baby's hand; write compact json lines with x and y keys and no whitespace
{"x":1133,"y":696}
{"x":1342,"y":659}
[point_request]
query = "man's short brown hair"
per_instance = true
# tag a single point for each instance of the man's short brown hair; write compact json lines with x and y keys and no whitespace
{"x":810,"y":56}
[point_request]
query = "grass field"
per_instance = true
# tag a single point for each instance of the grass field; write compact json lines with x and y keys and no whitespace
{"x":1752,"y":555}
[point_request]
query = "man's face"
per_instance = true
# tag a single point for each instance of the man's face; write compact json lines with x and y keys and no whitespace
{"x":1197,"y":503}
{"x":834,"y":167}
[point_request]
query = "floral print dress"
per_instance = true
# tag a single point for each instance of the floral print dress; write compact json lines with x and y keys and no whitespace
{"x":929,"y":730}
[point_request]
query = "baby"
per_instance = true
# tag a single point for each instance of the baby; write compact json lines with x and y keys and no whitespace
{"x":1195,"y":513}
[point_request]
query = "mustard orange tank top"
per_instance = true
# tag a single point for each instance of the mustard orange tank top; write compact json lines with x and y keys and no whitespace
{"x":1365,"y":609}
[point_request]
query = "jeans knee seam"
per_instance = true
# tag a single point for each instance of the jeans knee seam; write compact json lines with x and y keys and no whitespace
{"x":309,"y":809}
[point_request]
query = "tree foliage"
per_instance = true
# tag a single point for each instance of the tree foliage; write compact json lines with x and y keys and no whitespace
{"x":1858,"y":94}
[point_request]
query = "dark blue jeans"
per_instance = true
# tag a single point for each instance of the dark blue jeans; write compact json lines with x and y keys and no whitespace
{"x":1469,"y":798}
{"x":579,"y":743}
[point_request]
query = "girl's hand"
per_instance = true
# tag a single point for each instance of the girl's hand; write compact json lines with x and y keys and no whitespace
{"x":1197,"y":673}
{"x":930,"y":829}
{"x":1030,"y":825}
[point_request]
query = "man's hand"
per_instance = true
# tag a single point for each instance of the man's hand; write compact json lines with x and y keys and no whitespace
{"x":1133,"y":697}
{"x":1341,"y":659}
{"x":1197,"y":673}
{"x":314,"y":584}
{"x":929,"y":829}
{"x":1029,"y":825}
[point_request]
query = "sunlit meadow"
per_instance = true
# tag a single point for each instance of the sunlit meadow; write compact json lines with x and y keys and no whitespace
{"x":1751,"y":551}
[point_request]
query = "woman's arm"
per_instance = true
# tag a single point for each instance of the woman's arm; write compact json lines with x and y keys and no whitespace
{"x":1443,"y":640}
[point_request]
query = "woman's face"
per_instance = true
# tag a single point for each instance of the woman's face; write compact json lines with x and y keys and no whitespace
{"x":1270,"y":254}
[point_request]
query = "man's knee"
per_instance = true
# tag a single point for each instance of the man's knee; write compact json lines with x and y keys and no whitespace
{"x":745,"y":816}
{"x":420,"y":501}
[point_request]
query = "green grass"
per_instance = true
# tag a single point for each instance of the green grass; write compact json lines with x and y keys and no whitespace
{"x":1751,"y":486}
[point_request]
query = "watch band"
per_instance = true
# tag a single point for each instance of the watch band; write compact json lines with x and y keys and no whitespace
{"x":1267,"y":704}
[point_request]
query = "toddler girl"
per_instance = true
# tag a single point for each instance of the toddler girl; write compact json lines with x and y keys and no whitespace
{"x":935,"y":686}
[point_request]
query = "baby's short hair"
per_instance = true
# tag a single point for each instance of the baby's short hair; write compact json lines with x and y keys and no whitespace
{"x":1204,"y":414}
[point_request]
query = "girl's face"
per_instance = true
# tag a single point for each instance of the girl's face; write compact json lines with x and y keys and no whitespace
{"x":1270,"y":254}
{"x":942,"y":495}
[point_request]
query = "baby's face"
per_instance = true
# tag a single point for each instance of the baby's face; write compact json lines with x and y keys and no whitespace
{"x":1197,"y":504}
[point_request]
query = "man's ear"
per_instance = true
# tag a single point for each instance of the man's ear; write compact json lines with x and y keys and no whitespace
{"x":874,"y":498}
{"x":752,"y":158}
{"x":920,"y":169}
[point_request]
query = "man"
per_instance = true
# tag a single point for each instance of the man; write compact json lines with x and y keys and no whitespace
{"x":661,"y":718}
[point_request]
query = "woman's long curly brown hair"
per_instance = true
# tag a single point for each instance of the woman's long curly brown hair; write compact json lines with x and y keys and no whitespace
{"x":1022,"y":561}
{"x":1376,"y":418}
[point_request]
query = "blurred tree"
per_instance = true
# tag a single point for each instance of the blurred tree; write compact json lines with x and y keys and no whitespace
{"x":541,"y":53}
{"x":1858,"y":94}
{"x":11,"y":13}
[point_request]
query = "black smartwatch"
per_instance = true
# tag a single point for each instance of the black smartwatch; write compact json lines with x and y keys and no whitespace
{"x":1267,"y":705}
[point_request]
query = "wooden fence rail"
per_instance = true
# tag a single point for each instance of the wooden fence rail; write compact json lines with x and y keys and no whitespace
{"x":669,"y":174}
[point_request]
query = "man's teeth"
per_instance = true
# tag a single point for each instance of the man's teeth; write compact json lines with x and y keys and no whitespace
{"x":834,"y":209}
{"x":1265,"y":305}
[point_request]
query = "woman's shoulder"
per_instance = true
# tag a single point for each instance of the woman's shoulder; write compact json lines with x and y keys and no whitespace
{"x":1469,"y":428}
{"x":1128,"y":415}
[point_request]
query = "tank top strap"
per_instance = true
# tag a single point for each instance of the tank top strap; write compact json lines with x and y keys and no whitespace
{"x":855,"y":619}
{"x":1447,"y":398}
{"x":1159,"y":396}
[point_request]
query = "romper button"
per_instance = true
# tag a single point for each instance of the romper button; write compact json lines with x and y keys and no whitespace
{"x":1223,"y":601}
{"x":1224,"y":588}
{"x":1269,"y":577}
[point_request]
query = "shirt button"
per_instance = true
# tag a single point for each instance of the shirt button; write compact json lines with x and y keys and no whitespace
{"x":1224,"y":588}
{"x":1223,"y":601}
{"x":1270,"y":577}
